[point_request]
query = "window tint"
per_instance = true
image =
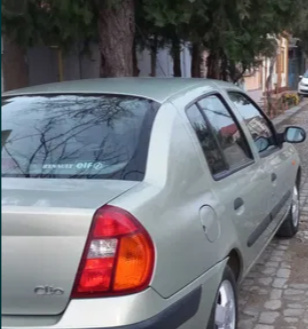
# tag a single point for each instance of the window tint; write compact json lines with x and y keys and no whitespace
{"x":255,"y":121}
{"x":208,"y":143}
{"x":70,"y":136}
{"x":226,"y":132}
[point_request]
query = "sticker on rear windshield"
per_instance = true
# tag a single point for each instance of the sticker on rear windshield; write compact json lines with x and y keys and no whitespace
{"x":88,"y":165}
{"x":79,"y":165}
{"x":58,"y":166}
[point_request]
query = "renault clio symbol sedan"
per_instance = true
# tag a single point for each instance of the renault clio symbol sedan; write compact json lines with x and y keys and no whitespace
{"x":138,"y":203}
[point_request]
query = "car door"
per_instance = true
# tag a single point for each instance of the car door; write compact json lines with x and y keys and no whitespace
{"x":240,"y":186}
{"x":275,"y":159}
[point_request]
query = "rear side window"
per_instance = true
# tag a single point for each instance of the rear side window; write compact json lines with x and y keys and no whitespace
{"x":226,"y":132}
{"x":73,"y":136}
{"x":207,"y":141}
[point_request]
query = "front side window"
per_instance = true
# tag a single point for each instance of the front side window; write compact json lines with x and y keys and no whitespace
{"x":74,"y":136}
{"x":255,"y":121}
{"x":226,"y":132}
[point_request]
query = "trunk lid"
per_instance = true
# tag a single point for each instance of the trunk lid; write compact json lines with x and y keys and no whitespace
{"x":45,"y":224}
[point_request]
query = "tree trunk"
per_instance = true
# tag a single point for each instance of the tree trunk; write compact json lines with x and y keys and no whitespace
{"x":116,"y":35}
{"x":195,"y":61}
{"x":268,"y":86}
{"x":15,"y":66}
{"x":136,"y":70}
{"x":153,"y":63}
{"x":176,"y":56}
{"x":213,"y":66}
{"x":236,"y":72}
{"x":224,"y":68}
{"x":154,"y":56}
{"x":60,"y":65}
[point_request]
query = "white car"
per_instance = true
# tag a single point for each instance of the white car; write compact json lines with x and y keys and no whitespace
{"x":303,"y":85}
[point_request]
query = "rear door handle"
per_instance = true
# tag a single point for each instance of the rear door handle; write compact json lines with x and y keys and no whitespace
{"x":274,"y":177}
{"x":238,"y":203}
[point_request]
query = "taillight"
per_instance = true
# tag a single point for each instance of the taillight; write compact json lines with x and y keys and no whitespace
{"x":118,"y":257}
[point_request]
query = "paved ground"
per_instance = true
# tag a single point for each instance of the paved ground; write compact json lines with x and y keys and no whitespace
{"x":275,"y":293}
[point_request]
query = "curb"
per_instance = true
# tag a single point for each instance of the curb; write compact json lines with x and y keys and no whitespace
{"x":278,"y":121}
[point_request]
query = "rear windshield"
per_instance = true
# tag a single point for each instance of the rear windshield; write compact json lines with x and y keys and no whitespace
{"x":306,"y":74}
{"x":73,"y":136}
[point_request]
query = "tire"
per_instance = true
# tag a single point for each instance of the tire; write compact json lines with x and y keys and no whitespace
{"x":290,"y":226}
{"x":227,"y":287}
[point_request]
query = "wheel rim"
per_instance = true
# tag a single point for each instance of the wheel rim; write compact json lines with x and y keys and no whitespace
{"x":295,"y":207}
{"x":225,"y":313}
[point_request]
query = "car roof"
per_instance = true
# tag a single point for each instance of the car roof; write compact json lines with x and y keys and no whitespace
{"x":157,"y":89}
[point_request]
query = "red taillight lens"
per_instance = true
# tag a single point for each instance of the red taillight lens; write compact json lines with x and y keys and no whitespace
{"x":96,"y":275}
{"x":113,"y":222}
{"x":118,"y":257}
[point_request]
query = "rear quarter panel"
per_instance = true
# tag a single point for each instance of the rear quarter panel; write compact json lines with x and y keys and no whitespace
{"x":168,"y":203}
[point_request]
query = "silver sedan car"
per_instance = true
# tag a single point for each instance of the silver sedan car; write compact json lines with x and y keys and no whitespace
{"x":138,"y":203}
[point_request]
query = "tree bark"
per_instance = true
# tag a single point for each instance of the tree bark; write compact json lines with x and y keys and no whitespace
{"x":195,"y":61}
{"x":236,"y":72}
{"x":154,"y":56}
{"x":224,"y":68}
{"x":60,"y":65}
{"x":176,"y":56}
{"x":268,"y":86}
{"x":136,"y":70}
{"x":213,"y":66}
{"x":15,"y":66}
{"x":116,"y":35}
{"x":153,"y":63}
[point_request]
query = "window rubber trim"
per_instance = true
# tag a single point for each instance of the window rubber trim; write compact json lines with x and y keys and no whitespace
{"x":225,"y":174}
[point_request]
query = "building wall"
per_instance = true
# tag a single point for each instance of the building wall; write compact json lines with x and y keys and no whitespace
{"x":254,"y":81}
{"x":282,"y":63}
{"x":255,"y":84}
{"x":43,"y":64}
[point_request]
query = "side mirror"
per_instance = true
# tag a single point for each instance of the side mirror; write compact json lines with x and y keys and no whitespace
{"x":300,"y":77}
{"x":294,"y":135}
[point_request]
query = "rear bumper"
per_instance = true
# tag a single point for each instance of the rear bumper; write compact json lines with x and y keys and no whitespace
{"x":189,"y":308}
{"x":173,"y":317}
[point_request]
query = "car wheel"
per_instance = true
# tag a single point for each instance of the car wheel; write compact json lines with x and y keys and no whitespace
{"x":225,"y":308}
{"x":290,"y":226}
